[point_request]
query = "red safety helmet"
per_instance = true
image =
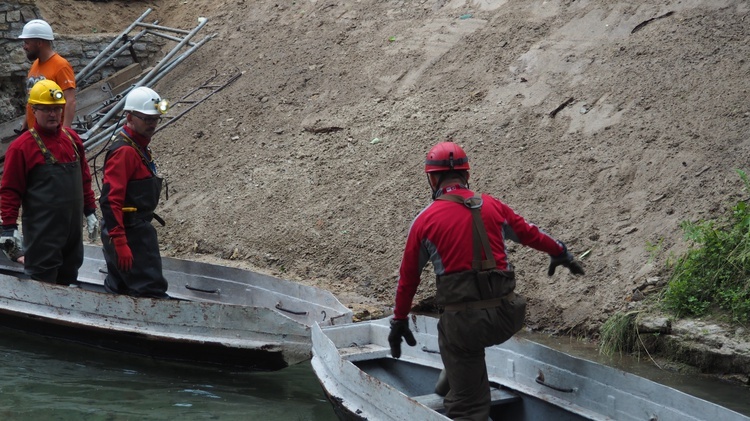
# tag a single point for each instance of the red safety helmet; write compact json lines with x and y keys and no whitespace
{"x":446,"y":156}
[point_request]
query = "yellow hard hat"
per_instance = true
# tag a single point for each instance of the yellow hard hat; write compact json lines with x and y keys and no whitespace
{"x":46,"y":92}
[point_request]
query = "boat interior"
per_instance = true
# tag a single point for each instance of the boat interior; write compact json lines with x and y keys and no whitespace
{"x":418,"y":382}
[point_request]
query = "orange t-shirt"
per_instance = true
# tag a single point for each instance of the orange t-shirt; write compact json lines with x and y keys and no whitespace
{"x":56,"y":69}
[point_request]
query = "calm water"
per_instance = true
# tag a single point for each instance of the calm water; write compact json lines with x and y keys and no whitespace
{"x":45,"y":380}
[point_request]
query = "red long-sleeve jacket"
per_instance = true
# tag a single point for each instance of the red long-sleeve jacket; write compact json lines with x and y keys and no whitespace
{"x":442,"y":234}
{"x":24,"y":154}
{"x":123,"y":165}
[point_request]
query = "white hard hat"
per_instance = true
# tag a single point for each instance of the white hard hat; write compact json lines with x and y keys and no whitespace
{"x":145,"y":100}
{"x":37,"y":29}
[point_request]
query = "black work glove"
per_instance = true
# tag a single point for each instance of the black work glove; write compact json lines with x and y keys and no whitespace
{"x":400,"y":329}
{"x":565,"y":259}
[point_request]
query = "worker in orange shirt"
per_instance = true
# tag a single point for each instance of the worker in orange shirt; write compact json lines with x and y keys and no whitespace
{"x":37,"y":39}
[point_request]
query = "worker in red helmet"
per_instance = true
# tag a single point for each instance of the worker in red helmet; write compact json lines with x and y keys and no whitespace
{"x":463,"y":235}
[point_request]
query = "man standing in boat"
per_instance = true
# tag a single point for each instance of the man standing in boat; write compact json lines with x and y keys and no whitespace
{"x":130,"y":192}
{"x":463,"y":235}
{"x":46,"y":174}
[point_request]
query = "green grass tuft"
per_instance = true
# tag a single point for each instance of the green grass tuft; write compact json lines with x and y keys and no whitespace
{"x":715,"y":272}
{"x":619,"y":334}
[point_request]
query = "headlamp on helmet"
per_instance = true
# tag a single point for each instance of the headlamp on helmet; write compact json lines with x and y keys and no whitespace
{"x":146,"y":101}
{"x":162,"y":106}
{"x":46,"y":92}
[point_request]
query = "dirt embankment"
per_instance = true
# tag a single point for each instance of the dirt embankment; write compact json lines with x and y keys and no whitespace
{"x":605,"y":123}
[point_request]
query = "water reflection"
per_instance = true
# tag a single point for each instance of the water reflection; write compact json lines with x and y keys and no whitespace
{"x":45,"y":380}
{"x":42,"y":379}
{"x":730,"y":395}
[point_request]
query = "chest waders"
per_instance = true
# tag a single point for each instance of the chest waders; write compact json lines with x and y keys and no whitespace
{"x":145,"y":278}
{"x":53,"y":218}
{"x":480,"y":309}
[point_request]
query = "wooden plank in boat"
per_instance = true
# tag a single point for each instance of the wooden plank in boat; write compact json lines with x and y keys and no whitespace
{"x":364,"y":352}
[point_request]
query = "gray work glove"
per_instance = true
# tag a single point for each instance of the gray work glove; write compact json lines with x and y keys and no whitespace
{"x":400,"y":329}
{"x":92,"y":226}
{"x":565,"y":259}
{"x":11,"y":243}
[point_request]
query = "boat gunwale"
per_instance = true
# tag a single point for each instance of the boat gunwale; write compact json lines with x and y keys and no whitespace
{"x":605,"y":404}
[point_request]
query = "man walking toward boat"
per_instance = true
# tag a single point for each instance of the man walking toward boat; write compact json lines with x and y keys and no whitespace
{"x":463,"y":235}
{"x":46,"y":174}
{"x":130,"y":192}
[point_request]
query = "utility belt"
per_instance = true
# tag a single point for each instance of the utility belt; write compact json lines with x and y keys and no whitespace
{"x":131,"y":215}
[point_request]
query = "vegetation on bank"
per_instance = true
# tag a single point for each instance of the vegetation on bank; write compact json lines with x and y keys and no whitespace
{"x":711,"y":279}
{"x":619,"y":334}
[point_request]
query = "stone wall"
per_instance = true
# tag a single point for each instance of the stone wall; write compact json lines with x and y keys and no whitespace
{"x":79,"y":50}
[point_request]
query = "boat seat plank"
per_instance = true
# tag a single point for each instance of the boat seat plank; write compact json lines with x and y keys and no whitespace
{"x":497,"y":397}
{"x":364,"y":352}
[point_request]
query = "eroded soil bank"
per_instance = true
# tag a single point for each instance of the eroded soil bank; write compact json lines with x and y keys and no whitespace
{"x":605,"y":123}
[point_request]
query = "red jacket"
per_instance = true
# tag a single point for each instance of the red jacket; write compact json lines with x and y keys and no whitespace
{"x":442,"y":234}
{"x":123,"y":165}
{"x":24,"y":154}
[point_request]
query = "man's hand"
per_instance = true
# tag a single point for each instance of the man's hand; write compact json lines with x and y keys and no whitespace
{"x":565,"y":259}
{"x":11,"y":243}
{"x":400,"y":329}
{"x":92,"y":226}
{"x":124,"y":255}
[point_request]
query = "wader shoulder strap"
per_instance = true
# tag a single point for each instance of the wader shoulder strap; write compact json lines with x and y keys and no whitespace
{"x":75,"y":147}
{"x":145,"y":155}
{"x":481,"y":242}
{"x":48,"y":157}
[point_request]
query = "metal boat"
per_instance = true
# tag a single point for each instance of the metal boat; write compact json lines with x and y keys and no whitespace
{"x":217,"y":315}
{"x":528,"y":381}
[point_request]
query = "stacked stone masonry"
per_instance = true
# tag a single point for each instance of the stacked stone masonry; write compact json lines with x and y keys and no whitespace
{"x":78,"y":49}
